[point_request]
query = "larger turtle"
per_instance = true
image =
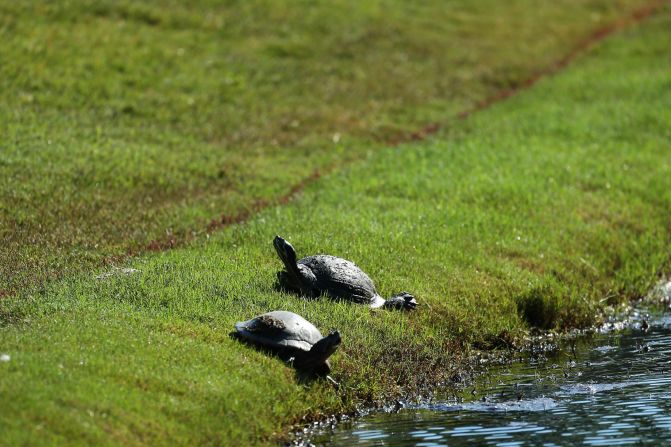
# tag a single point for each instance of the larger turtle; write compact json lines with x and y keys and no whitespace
{"x":292,"y":338}
{"x":337,"y":278}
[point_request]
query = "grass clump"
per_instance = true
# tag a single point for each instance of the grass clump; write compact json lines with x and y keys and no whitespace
{"x":538,"y":211}
{"x":125,"y":126}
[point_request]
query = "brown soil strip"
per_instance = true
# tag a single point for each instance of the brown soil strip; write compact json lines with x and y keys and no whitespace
{"x":597,"y":36}
{"x":259,"y":205}
{"x":225,"y":220}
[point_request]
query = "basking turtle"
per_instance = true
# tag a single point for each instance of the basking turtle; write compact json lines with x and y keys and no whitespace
{"x":292,"y":338}
{"x":338,"y":278}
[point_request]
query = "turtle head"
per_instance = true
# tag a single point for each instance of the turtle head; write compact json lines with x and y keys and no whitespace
{"x":316,"y":358}
{"x":286,"y":252}
{"x":293,"y":278}
{"x":297,"y":277}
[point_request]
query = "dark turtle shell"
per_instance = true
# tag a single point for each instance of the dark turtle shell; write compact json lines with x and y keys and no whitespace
{"x":342,"y":279}
{"x":280,"y":330}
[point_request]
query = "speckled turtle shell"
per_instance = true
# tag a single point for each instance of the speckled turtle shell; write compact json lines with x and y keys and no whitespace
{"x":342,"y":279}
{"x":280,"y":330}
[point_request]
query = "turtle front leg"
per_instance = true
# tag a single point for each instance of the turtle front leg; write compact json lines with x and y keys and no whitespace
{"x":287,"y":282}
{"x":335,"y":384}
{"x":302,"y":286}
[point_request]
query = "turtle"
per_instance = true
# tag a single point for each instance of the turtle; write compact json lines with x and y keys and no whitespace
{"x":292,"y":338}
{"x":334,"y":277}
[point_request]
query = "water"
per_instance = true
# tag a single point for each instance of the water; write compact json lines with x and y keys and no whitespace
{"x":608,"y":389}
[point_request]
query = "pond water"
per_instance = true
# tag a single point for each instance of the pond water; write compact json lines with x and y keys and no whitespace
{"x":611,"y":388}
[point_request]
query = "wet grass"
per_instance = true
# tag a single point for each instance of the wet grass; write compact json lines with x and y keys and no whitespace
{"x":538,"y":211}
{"x":124,"y":123}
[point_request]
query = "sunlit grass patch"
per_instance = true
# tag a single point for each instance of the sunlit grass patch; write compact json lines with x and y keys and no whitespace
{"x":122,"y":123}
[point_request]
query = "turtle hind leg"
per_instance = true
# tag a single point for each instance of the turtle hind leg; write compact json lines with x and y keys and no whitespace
{"x":402,"y":301}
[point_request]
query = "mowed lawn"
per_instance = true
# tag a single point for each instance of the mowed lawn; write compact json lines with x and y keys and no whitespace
{"x":538,"y":211}
{"x":124,"y":123}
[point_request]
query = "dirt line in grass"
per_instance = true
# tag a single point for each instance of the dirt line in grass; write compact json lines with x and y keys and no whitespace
{"x":225,"y":220}
{"x":595,"y":37}
{"x":592,"y":39}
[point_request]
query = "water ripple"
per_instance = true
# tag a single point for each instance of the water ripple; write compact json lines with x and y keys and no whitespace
{"x":612,"y":389}
{"x":537,"y":404}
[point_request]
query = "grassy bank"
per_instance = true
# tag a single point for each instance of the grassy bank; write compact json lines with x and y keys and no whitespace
{"x":122,"y":124}
{"x":535,"y":212}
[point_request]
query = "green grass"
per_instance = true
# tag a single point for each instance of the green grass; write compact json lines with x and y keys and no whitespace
{"x":124,"y":122}
{"x":538,"y":211}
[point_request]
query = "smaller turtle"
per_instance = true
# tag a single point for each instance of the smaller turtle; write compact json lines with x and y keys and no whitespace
{"x":337,"y":278}
{"x":292,"y":338}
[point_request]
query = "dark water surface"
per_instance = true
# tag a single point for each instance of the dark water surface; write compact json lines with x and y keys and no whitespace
{"x":605,"y":389}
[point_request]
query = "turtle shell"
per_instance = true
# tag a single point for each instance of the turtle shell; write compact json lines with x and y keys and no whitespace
{"x":342,"y":279}
{"x":280,"y":329}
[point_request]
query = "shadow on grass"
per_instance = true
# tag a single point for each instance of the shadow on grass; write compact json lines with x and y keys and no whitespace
{"x":539,"y":307}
